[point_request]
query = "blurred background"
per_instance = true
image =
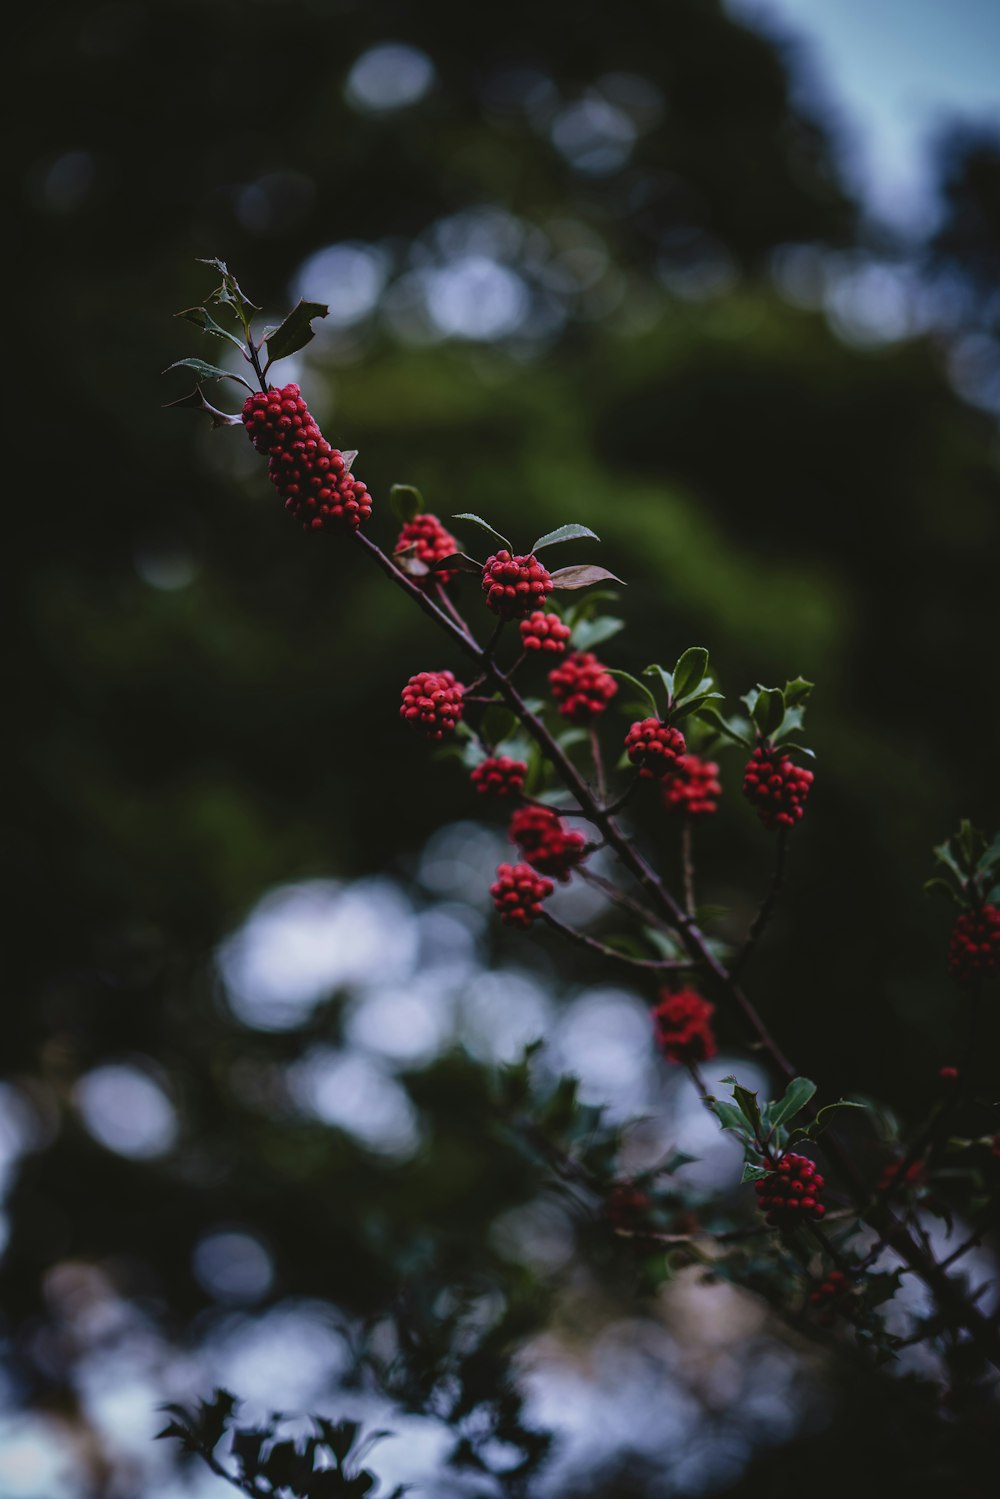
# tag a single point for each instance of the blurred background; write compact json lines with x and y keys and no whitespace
{"x":721,"y":281}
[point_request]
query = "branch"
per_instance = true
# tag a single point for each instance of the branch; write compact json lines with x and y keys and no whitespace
{"x":655,"y":965}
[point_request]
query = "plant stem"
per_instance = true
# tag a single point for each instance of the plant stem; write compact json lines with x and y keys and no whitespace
{"x":767,"y":906}
{"x":654,"y":965}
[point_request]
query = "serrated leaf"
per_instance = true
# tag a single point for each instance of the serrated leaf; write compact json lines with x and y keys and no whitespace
{"x":795,"y":1097}
{"x":797,"y":692}
{"x":582,"y":576}
{"x":792,"y":720}
{"x":207,"y":371}
{"x":571,"y":532}
{"x":728,"y":1115}
{"x":753,"y":1173}
{"x":746,"y":1102}
{"x":196,"y":402}
{"x":936,"y":883}
{"x":478,"y":520}
{"x":989,"y":858}
{"x":823,"y":1118}
{"x":640,"y":687}
{"x":944,"y":855}
{"x":349,"y":456}
{"x":591,"y":632}
{"x":203,"y":319}
{"x":691,"y":667}
{"x":407,"y":502}
{"x":296,"y":331}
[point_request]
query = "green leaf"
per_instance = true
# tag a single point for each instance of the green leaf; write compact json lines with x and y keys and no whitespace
{"x":990,"y":858}
{"x":693,"y":703}
{"x":564,"y":533}
{"x":295,"y":332}
{"x":497,"y":723}
{"x":196,"y":402}
{"x":207,"y":371}
{"x":690,"y":669}
{"x":591,"y":632}
{"x":825,"y":1116}
{"x":797,"y":692}
{"x":795,"y":1097}
{"x":407,"y":502}
{"x":766,"y":706}
{"x":457,"y":562}
{"x":728,"y":1115}
{"x":581,"y":576}
{"x":936,"y":884}
{"x":754,"y":1173}
{"x":736,"y":729}
{"x":666,"y":678}
{"x":640,"y":687}
{"x":230,"y":291}
{"x":746,"y":1102}
{"x":203,"y":319}
{"x":944,"y":855}
{"x":478,"y":520}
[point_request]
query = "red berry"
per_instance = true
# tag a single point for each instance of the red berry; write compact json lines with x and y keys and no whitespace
{"x":626,"y":1206}
{"x":791,"y":1191}
{"x":581,"y":687}
{"x":499,"y":776}
{"x":424,"y":541}
{"x":544,"y":632}
{"x":432,"y":703}
{"x":948,"y":1074}
{"x":313,"y":478}
{"x":692,"y":787}
{"x":514,"y":586}
{"x":975,"y":944}
{"x":518,"y":894}
{"x":890,"y":1178}
{"x":683,"y":1025}
{"x":655,"y":747}
{"x":833,"y":1295}
{"x":546,"y":842}
{"x":776,"y":787}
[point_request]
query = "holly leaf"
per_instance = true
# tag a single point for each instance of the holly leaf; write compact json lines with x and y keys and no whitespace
{"x":295,"y":332}
{"x":203,"y":319}
{"x":754,"y":1173}
{"x":797,"y":692}
{"x":196,"y":402}
{"x":796,"y":1096}
{"x":581,"y":576}
{"x":736,"y":729}
{"x":207,"y":371}
{"x":407,"y":502}
{"x":571,"y":532}
{"x":728,"y":1114}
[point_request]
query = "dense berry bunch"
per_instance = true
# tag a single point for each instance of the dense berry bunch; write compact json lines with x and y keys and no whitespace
{"x":692,"y":787}
{"x":683,"y":1024}
{"x":313,"y":478}
{"x":581,"y":687}
{"x":791,"y":1192}
{"x":546,"y":842}
{"x":891,"y":1180}
{"x":518,"y":894}
{"x":544,"y":632}
{"x":627,"y":1206}
{"x":432,"y":703}
{"x":776,"y":787}
{"x":655,"y":747}
{"x":425,"y":540}
{"x":499,"y":775}
{"x":975,"y":944}
{"x":514,"y":586}
{"x":829,"y":1297}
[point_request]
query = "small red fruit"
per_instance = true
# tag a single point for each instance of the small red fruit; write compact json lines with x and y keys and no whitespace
{"x":515,"y":586}
{"x":791,"y":1191}
{"x":683,"y":1025}
{"x":518,"y":894}
{"x":975,"y":944}
{"x":544,"y":632}
{"x":776,"y":787}
{"x":432,"y":703}
{"x":546,"y":842}
{"x":654,"y":747}
{"x":581,"y":687}
{"x":499,"y":776}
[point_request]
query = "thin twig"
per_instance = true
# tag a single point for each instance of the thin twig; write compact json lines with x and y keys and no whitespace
{"x":687,"y":859}
{"x":767,"y":906}
{"x":654,"y":965}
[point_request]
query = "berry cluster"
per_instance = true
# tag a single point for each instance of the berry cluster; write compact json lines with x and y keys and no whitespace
{"x":546,"y":842}
{"x":891,"y":1180}
{"x":829,"y":1297}
{"x":655,"y":747}
{"x":313,"y":478}
{"x":790,"y":1192}
{"x":425,"y":540}
{"x":581,"y":687}
{"x":518,"y":894}
{"x":626,"y":1206}
{"x":683,"y":1025}
{"x":514,"y":586}
{"x":544,"y":632}
{"x":692,"y":787}
{"x":776,"y":787}
{"x":500,"y":776}
{"x":975,"y":944}
{"x":432,"y":703}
